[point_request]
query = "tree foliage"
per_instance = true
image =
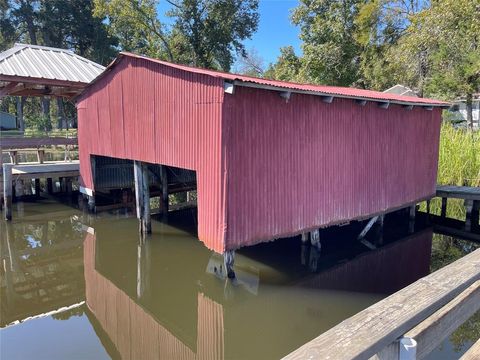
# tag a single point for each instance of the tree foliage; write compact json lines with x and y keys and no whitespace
{"x":213,"y":30}
{"x":330,"y":52}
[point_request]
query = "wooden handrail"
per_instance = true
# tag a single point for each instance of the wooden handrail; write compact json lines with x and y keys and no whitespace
{"x":25,"y":143}
{"x":375,"y":328}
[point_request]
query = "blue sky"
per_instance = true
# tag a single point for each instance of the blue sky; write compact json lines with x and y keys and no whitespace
{"x":274,"y":31}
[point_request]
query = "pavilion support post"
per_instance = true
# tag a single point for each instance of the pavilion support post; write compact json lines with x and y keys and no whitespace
{"x":7,"y":190}
{"x":41,"y":156}
{"x":228,"y":260}
{"x":428,"y":207}
{"x":164,"y":184}
{"x":142,"y":197}
{"x":444,"y":207}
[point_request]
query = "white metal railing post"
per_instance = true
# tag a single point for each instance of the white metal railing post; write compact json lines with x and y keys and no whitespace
{"x":407,"y":349}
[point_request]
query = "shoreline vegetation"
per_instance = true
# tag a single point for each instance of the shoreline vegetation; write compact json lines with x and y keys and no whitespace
{"x":458,"y":164}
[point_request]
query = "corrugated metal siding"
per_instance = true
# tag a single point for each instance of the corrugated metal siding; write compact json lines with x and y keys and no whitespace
{"x":285,"y":167}
{"x":306,"y":164}
{"x":142,"y":110}
{"x":135,"y":333}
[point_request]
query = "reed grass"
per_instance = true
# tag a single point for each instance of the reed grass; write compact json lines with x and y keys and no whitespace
{"x":458,"y":164}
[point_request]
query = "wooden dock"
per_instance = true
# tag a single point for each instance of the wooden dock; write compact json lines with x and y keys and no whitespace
{"x":411,"y":322}
{"x":471,"y":198}
{"x":65,"y":170}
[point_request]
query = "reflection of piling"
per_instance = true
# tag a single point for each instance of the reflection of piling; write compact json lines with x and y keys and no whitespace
{"x":7,"y":190}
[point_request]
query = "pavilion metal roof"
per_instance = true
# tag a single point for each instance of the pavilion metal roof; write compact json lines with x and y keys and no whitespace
{"x":39,"y":70}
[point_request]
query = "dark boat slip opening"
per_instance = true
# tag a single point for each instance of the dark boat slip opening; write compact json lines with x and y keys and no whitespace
{"x":114,"y":181}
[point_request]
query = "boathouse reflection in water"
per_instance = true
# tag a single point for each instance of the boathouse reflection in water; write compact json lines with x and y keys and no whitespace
{"x":164,"y":297}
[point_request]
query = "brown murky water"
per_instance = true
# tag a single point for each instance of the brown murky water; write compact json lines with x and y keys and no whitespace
{"x":75,"y":286}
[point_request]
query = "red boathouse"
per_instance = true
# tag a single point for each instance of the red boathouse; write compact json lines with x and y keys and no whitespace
{"x":270,"y":159}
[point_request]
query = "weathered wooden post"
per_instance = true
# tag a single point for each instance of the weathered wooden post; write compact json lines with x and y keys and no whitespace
{"x":304,"y":248}
{"x":411,"y":218}
{"x":164,"y":197}
{"x":228,"y":260}
{"x":444,"y":207}
{"x":7,"y":190}
{"x":37,"y":188}
{"x":468,"y":214}
{"x":315,"y":239}
{"x":142,"y":196}
{"x":49,"y":186}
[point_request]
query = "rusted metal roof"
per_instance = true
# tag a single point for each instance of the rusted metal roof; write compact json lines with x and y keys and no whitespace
{"x":321,"y":90}
{"x":40,"y":70}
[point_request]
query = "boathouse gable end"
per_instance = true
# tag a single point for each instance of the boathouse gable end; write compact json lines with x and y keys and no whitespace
{"x":272,"y":159}
{"x":146,"y":111}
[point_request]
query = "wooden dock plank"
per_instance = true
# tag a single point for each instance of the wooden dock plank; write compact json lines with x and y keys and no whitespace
{"x":459,"y":192}
{"x":473,"y":353}
{"x":371,"y":330}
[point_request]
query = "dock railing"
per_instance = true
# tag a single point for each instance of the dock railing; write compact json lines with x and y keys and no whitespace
{"x":408,"y":324}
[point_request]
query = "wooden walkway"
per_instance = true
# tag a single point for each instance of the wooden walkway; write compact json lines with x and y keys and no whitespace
{"x":471,"y":198}
{"x":418,"y":317}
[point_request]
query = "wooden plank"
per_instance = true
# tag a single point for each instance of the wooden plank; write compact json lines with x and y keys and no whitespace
{"x":459,"y":192}
{"x":431,"y":332}
{"x":371,"y":330}
{"x":473,"y":353}
{"x":8,"y":88}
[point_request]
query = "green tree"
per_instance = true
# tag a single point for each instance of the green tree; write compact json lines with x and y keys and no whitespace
{"x":327,"y":30}
{"x":136,"y":25}
{"x":380,"y":25}
{"x":441,"y":50}
{"x":287,"y":67}
{"x":214,"y":30}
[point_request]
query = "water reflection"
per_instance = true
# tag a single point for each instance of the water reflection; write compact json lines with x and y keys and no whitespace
{"x":166,"y":296}
{"x":41,"y":265}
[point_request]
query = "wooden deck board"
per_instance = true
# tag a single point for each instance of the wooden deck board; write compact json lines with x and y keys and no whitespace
{"x":460,"y":192}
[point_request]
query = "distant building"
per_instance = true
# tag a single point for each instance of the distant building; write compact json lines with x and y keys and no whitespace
{"x":401,"y":90}
{"x":7,"y":121}
{"x":458,"y":111}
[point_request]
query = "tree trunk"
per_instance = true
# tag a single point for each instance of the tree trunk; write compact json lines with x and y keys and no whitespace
{"x":20,"y":120}
{"x":61,"y":121}
{"x":469,"y":111}
{"x":46,"y":113}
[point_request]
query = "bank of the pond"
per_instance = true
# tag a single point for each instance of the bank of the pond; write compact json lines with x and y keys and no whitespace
{"x":458,"y":164}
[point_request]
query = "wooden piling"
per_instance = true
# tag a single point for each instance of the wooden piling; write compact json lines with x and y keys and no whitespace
{"x":7,"y":190}
{"x":228,"y":260}
{"x":142,"y":196}
{"x":49,"y":186}
{"x":444,"y":207}
{"x":468,"y":214}
{"x":164,"y":197}
{"x":37,"y":187}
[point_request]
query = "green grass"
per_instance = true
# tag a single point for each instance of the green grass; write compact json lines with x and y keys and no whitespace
{"x":458,"y":164}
